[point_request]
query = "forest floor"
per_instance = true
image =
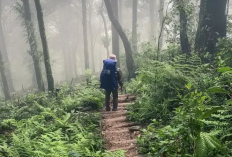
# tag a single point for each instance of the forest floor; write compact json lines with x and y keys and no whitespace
{"x":117,"y":132}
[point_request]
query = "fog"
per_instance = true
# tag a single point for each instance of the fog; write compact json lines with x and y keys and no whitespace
{"x":64,"y":31}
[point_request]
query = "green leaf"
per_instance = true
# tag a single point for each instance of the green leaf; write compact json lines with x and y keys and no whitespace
{"x":223,"y":69}
{"x":217,"y":90}
{"x":189,"y":85}
{"x":208,"y":113}
{"x":229,"y":102}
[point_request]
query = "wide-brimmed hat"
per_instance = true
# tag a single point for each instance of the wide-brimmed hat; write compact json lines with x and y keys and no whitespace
{"x":112,"y":56}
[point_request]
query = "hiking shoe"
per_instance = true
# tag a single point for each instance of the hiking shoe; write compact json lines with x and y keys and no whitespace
{"x":107,"y":109}
{"x":114,"y":109}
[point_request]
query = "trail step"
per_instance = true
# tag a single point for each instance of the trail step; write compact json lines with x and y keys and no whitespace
{"x":117,"y":132}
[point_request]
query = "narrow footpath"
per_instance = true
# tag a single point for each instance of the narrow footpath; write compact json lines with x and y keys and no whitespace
{"x":118,"y":133}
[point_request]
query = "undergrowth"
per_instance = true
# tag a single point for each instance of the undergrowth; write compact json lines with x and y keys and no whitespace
{"x":184,"y":103}
{"x":54,"y":125}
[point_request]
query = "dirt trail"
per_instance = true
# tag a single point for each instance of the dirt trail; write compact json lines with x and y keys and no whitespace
{"x":116,"y":129}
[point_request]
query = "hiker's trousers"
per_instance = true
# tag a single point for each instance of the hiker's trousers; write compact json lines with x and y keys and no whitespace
{"x":115,"y":99}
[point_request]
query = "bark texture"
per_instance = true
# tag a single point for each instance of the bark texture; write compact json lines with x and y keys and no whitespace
{"x":212,"y":25}
{"x":185,"y":46}
{"x":48,"y":68}
{"x":115,"y":36}
{"x":129,"y":58}
{"x":33,"y":44}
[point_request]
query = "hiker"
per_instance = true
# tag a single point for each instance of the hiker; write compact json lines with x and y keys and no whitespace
{"x":110,"y":78}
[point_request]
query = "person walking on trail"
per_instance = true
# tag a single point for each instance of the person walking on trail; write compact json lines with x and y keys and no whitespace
{"x":110,"y":78}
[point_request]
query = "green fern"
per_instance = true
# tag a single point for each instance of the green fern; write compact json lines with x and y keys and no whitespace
{"x":206,"y":142}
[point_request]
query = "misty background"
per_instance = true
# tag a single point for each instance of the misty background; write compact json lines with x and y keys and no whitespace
{"x":63,"y":23}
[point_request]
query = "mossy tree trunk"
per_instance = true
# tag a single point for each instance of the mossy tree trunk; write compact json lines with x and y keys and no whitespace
{"x":48,"y":68}
{"x":115,"y":36}
{"x":129,"y":58}
{"x":33,"y":44}
{"x":184,"y":42}
{"x":212,"y":25}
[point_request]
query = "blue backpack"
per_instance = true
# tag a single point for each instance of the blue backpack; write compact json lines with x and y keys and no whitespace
{"x":108,"y":77}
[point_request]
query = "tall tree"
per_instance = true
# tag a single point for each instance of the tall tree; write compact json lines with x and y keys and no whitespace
{"x":129,"y":58}
{"x":185,"y":46}
{"x":5,"y":53}
{"x":33,"y":43}
{"x":120,"y":11}
{"x":212,"y":25}
{"x":86,"y":52}
{"x":48,"y":68}
{"x":3,"y":77}
{"x":106,"y":39}
{"x":134,"y":25}
{"x":153,"y":18}
{"x":115,"y":36}
{"x":90,"y":8}
{"x":161,"y":18}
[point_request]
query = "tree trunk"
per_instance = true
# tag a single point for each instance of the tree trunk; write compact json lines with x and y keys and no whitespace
{"x":129,"y":58}
{"x":33,"y":44}
{"x":74,"y":54}
{"x":45,"y":46}
{"x":86,"y":53}
{"x":3,"y":77}
{"x":134,"y":26}
{"x":185,"y":47}
{"x":65,"y":64}
{"x":5,"y":54}
{"x":120,"y":12}
{"x":106,"y":32}
{"x":212,"y":25}
{"x":91,"y":34}
{"x":161,"y":18}
{"x":153,"y":18}
{"x":115,"y":36}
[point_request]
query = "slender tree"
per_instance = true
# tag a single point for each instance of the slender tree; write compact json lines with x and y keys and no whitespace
{"x":153,"y":18}
{"x":185,"y":46}
{"x":3,"y":77}
{"x":212,"y":25}
{"x":45,"y":46}
{"x":86,"y":53}
{"x":134,"y":25}
{"x":5,"y":53}
{"x":161,"y":18}
{"x":91,"y":34}
{"x":33,"y":44}
{"x":115,"y":36}
{"x":120,"y":11}
{"x":106,"y":37}
{"x":129,"y":58}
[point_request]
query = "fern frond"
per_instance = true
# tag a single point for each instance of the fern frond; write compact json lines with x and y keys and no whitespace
{"x":206,"y":142}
